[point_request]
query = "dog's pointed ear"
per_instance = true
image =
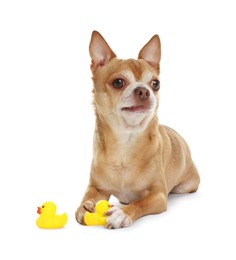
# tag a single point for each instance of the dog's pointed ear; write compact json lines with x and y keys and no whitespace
{"x":100,"y":51}
{"x":151,"y":52}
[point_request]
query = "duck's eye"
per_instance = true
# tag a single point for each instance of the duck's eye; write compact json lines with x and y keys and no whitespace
{"x":118,"y":83}
{"x":43,"y":206}
{"x":155,"y":84}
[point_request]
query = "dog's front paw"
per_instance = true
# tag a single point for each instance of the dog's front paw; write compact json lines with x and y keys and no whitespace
{"x":88,"y":205}
{"x":116,"y":218}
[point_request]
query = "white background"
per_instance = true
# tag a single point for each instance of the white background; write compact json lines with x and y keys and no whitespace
{"x":47,"y":121}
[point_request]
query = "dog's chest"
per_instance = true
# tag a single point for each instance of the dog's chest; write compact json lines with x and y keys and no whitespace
{"x":120,"y":172}
{"x":124,"y":181}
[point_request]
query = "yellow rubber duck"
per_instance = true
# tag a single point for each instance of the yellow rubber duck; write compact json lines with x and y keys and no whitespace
{"x":97,"y":218}
{"x":48,"y":217}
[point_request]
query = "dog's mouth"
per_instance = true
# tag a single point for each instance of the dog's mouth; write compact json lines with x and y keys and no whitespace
{"x":138,"y":109}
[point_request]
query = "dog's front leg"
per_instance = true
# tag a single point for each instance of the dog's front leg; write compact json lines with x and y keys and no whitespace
{"x":155,"y":202}
{"x":91,"y":197}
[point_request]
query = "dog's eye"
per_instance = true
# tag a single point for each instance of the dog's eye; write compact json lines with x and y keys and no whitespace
{"x":118,"y":83}
{"x":155,"y":84}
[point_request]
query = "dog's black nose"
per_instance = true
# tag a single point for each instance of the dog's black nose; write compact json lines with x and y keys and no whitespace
{"x":142,"y":93}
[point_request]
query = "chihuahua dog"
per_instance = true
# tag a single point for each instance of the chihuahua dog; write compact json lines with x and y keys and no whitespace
{"x":135,"y":159}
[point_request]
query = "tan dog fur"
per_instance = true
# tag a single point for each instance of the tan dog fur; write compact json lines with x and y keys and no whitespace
{"x":135,"y":159}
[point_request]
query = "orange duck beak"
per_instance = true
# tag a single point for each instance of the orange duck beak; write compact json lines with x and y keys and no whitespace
{"x":39,"y":210}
